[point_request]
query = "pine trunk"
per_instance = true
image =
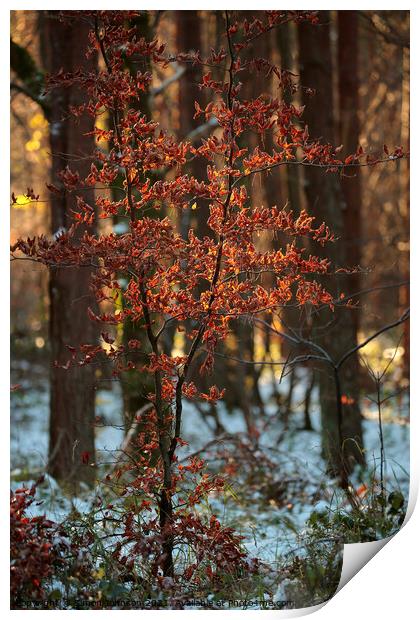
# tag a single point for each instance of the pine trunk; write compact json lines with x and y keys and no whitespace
{"x":72,"y":398}
{"x":341,"y":430}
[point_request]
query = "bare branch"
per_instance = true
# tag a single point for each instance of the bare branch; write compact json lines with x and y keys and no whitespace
{"x":180,"y":70}
{"x":404,"y":317}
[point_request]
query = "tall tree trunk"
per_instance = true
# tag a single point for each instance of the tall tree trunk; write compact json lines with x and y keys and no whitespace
{"x":349,"y":129}
{"x":292,"y":177}
{"x":72,"y":400}
{"x":136,"y":384}
{"x":325,"y":201}
{"x":404,"y":201}
{"x":285,"y":44}
{"x":188,"y":38}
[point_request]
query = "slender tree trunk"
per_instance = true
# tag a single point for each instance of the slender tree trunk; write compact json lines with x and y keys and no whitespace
{"x":307,"y":425}
{"x":72,"y":400}
{"x":325,"y":200}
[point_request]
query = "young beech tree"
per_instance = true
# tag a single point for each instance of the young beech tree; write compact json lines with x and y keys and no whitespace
{"x":199,"y":284}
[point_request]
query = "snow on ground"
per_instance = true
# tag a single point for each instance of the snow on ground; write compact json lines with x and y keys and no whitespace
{"x":270,"y":530}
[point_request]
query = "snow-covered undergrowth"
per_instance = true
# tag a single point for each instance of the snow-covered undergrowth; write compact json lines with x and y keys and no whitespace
{"x":275,"y":481}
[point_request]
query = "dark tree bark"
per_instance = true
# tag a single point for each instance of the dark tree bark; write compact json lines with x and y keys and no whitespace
{"x":292,"y":182}
{"x":325,"y":200}
{"x":284,"y":44}
{"x":188,"y":38}
{"x":349,"y":129}
{"x":137,"y":384}
{"x":72,"y":400}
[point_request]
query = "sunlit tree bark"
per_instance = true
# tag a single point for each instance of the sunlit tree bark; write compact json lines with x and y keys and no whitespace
{"x":72,"y":400}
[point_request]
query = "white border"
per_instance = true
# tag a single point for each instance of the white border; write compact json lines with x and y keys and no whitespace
{"x":387,"y":587}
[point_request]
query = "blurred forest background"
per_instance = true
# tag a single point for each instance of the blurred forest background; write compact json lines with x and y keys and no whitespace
{"x":357,"y":63}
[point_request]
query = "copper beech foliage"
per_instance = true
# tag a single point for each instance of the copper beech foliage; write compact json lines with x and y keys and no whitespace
{"x":200,"y":284}
{"x":39,"y":550}
{"x":33,"y":555}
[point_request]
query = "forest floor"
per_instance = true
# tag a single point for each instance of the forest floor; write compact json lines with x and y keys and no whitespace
{"x":275,"y":482}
